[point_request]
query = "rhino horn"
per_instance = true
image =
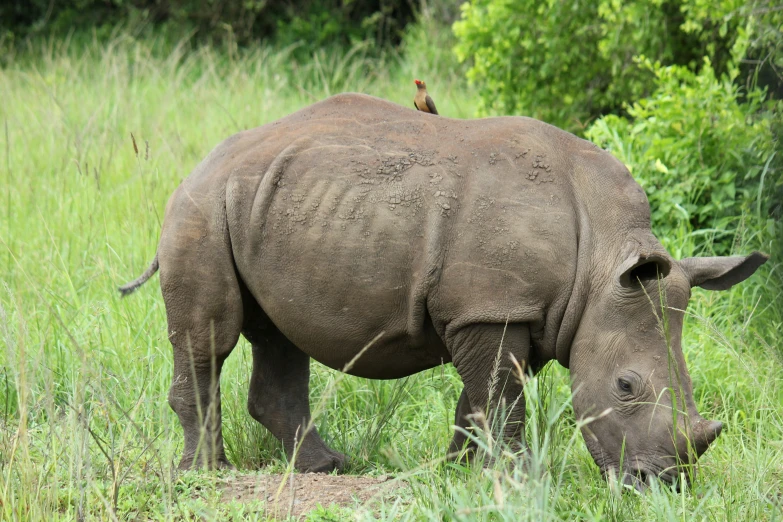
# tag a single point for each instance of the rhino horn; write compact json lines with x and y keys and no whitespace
{"x":704,"y":433}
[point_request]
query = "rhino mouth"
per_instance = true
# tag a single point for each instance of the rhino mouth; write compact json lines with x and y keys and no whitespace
{"x":641,"y":479}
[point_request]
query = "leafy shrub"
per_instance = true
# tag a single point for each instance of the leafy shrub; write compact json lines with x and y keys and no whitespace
{"x":568,"y":61}
{"x":700,"y":155}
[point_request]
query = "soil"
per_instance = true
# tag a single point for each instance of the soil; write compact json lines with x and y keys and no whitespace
{"x":307,"y":491}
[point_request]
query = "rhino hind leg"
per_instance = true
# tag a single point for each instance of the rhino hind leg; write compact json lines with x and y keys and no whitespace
{"x":200,"y":348}
{"x":279,"y":396}
{"x":204,"y":325}
{"x":495,"y":399}
{"x":196,"y":401}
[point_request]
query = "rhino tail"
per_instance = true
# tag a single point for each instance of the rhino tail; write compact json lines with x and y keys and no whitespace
{"x":136,"y":283}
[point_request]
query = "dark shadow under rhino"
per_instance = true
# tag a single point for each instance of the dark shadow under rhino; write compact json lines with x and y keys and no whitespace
{"x":353,"y":217}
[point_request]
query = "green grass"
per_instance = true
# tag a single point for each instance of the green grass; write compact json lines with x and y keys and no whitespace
{"x":86,"y":431}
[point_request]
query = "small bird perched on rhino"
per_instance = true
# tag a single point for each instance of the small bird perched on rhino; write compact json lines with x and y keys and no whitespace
{"x":422,"y":100}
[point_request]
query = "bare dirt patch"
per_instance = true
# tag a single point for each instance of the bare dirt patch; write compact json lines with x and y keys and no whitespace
{"x":304,"y":492}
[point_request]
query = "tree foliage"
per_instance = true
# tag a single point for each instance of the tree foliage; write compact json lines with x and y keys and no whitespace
{"x":701,"y":155}
{"x":313,"y":23}
{"x":569,"y":61}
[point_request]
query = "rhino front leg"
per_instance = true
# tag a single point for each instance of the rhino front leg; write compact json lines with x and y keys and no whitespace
{"x":495,"y":394}
{"x":463,"y":425}
{"x":279,"y":399}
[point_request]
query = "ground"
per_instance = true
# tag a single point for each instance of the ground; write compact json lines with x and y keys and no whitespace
{"x":302,"y":493}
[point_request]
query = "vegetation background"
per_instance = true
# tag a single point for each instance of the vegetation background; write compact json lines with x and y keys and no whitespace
{"x":687,"y":93}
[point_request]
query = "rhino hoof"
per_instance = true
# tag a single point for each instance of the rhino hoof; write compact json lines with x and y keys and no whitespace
{"x":323,"y":464}
{"x":191,"y":464}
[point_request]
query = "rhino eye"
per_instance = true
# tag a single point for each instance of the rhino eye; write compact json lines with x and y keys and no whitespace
{"x":629,"y":385}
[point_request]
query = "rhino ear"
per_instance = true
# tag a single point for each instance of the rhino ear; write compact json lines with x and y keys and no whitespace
{"x":643,"y":268}
{"x":721,"y":273}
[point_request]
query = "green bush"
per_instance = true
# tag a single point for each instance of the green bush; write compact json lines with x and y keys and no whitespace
{"x":702,"y":156}
{"x":566,"y":62}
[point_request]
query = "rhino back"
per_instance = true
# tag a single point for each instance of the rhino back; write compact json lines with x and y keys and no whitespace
{"x":356,"y":216}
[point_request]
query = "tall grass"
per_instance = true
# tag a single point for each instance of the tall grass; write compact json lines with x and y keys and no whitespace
{"x":86,"y":432}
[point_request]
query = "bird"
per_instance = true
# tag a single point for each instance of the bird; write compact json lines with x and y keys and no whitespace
{"x":422,"y":100}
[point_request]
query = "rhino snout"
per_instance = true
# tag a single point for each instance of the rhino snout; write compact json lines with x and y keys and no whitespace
{"x":642,"y":473}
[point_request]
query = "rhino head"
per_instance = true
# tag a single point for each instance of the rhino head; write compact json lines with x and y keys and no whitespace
{"x":627,"y":365}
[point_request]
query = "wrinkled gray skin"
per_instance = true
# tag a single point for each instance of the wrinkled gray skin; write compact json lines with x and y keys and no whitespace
{"x":353,"y":217}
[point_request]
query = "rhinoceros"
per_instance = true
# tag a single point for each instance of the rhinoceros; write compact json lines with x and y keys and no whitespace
{"x":444,"y":241}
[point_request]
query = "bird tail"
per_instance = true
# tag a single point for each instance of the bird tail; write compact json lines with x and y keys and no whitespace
{"x":136,"y":283}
